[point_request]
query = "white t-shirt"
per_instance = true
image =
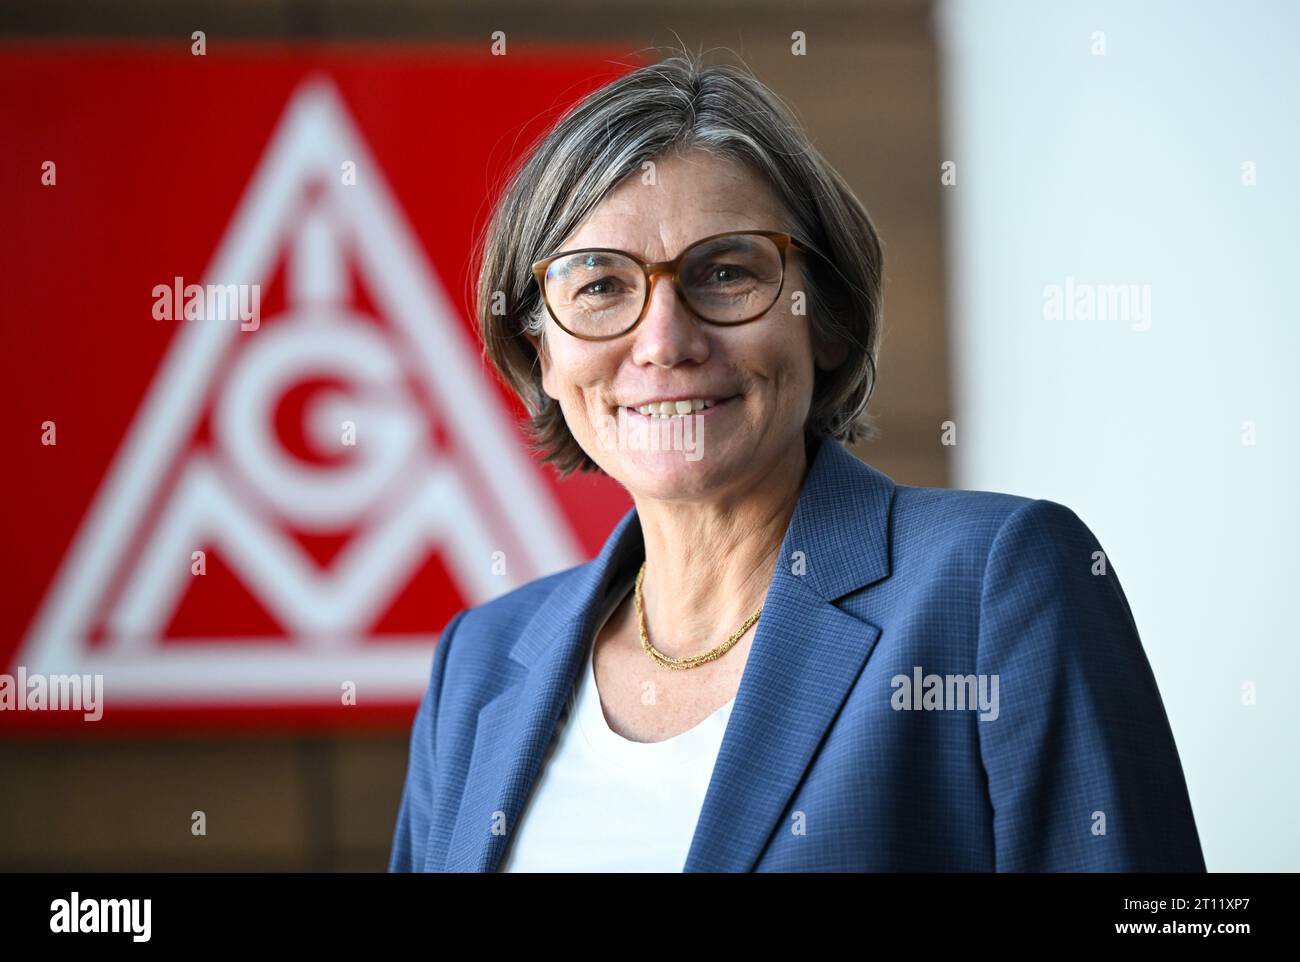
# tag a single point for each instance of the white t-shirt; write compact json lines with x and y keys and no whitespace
{"x":603,"y":803}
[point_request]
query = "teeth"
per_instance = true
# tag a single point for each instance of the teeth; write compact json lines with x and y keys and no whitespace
{"x":671,"y":408}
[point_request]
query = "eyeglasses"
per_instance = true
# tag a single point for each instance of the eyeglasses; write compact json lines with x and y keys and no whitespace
{"x":600,"y":293}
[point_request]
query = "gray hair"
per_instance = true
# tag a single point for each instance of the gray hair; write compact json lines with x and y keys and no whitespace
{"x":674,"y":105}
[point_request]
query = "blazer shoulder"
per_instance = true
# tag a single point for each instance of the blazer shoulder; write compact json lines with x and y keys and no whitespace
{"x":477,"y":662}
{"x":952,"y":515}
{"x":507,"y":612}
{"x":963,"y":523}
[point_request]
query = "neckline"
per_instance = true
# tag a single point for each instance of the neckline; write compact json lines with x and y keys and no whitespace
{"x":615,"y":748}
{"x":595,"y":692}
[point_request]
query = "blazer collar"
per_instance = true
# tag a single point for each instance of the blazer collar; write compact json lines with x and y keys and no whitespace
{"x":806,"y":655}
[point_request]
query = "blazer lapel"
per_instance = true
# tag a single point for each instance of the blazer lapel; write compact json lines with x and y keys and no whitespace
{"x":516,"y":727}
{"x":807,"y":654}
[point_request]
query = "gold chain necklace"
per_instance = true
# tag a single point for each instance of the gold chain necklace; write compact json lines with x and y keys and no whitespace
{"x":681,"y":664}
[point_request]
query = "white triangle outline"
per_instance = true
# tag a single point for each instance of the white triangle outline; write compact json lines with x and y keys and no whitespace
{"x":314,"y":135}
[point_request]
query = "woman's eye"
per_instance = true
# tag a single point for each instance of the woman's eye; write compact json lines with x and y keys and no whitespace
{"x":729,"y":274}
{"x":597,"y":288}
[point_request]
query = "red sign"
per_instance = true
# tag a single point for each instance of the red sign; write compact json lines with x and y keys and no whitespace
{"x":255,"y":462}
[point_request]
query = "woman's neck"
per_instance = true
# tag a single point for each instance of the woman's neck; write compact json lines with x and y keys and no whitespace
{"x":709,"y":563}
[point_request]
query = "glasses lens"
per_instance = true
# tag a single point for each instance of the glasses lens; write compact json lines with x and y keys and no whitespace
{"x":733,"y":278}
{"x":595,"y":293}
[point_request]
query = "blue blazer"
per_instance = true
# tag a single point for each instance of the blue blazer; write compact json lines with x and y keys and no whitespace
{"x":831,"y":761}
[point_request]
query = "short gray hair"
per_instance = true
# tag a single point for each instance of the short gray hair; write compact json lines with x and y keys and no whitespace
{"x":674,"y":105}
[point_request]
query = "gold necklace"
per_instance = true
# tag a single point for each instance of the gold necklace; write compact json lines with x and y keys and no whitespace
{"x":681,"y":664}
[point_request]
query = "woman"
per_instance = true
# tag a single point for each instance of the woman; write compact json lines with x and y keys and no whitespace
{"x":781,"y":660}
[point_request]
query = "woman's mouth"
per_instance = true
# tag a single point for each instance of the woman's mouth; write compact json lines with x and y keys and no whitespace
{"x":679,"y":409}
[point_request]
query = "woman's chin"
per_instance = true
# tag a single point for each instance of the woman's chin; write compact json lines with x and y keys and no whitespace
{"x":670,"y":475}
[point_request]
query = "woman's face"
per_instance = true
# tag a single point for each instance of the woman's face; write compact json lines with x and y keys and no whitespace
{"x":764,"y":369}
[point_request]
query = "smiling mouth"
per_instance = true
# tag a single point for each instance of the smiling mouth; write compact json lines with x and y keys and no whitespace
{"x":674,"y":409}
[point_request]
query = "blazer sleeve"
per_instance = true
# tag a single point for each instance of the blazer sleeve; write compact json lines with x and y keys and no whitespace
{"x":410,"y":839}
{"x":1083,"y":773}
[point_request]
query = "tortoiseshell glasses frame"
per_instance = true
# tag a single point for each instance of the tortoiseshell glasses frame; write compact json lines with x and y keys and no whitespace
{"x":781,"y":240}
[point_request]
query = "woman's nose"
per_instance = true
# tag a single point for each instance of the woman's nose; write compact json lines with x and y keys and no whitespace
{"x":668,"y":332}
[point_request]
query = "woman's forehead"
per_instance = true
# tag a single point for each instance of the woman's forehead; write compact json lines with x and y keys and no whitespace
{"x":689,"y":197}
{"x":659,"y":242}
